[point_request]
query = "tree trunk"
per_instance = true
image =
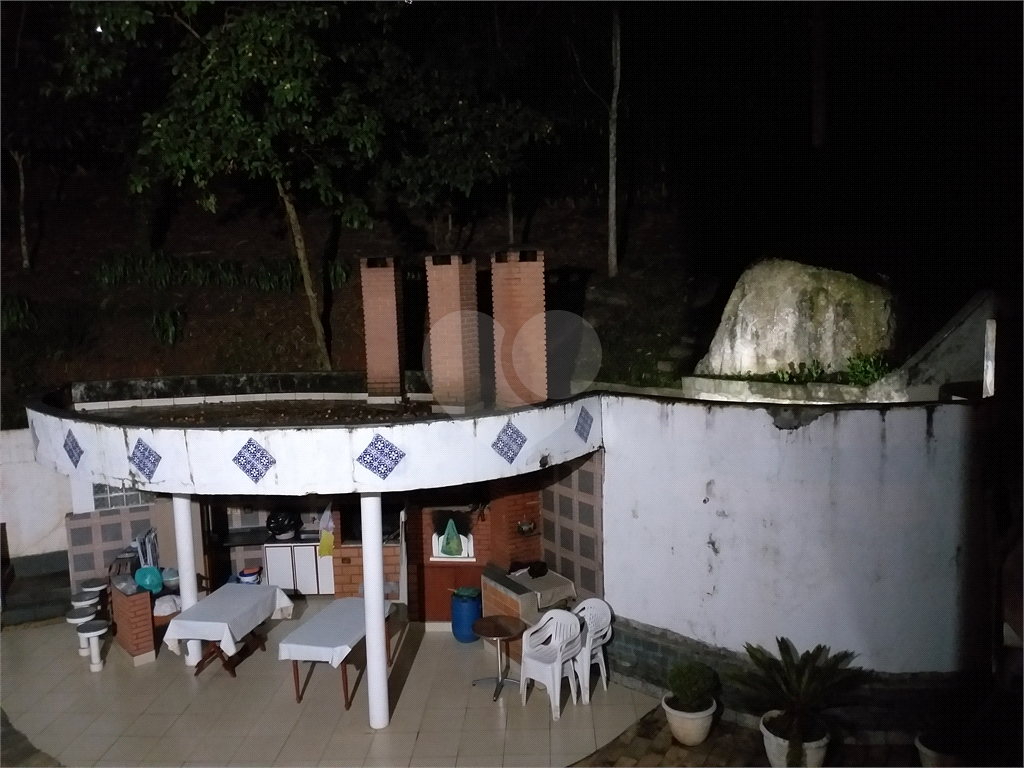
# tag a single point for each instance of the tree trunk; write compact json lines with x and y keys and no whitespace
{"x":19,"y":160}
{"x":307,"y":280}
{"x":511,"y":218}
{"x":819,"y":75}
{"x":613,"y":116}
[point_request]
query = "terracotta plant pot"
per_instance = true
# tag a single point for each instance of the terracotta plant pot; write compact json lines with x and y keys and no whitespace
{"x":689,"y":728}
{"x":776,"y":747}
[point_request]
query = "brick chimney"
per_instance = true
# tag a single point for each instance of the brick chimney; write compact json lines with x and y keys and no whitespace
{"x":520,"y":364}
{"x":382,"y":320}
{"x":454,"y":332}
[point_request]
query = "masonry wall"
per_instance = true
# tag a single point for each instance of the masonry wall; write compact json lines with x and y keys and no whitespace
{"x":348,"y":570}
{"x":856,"y":527}
{"x":572,"y":529}
{"x":515,"y":500}
{"x":96,"y":538}
{"x":132,"y":620}
{"x":36,"y":498}
{"x":382,"y":319}
{"x":520,"y":343}
{"x":497,"y":600}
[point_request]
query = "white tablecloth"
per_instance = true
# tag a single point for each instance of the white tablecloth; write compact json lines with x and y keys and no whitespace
{"x":330,"y":635}
{"x":549,"y":588}
{"x":228,"y":614}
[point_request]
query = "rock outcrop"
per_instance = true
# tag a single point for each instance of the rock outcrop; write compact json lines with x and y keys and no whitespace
{"x":783,"y":313}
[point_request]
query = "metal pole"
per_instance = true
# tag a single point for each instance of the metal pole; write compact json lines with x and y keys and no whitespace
{"x":373,"y":605}
{"x":189,"y":588}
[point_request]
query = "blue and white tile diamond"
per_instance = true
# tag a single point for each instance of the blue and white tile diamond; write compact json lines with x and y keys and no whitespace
{"x":381,"y":457}
{"x":509,"y":443}
{"x":254,"y":460}
{"x":144,"y":459}
{"x":73,"y":449}
{"x":584,"y":423}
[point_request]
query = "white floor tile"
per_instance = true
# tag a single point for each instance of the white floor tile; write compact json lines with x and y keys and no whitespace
{"x":85,"y":750}
{"x":161,"y":714}
{"x":535,"y":741}
{"x":436,"y":744}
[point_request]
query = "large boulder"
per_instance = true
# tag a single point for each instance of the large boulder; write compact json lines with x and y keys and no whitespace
{"x":782,"y":313}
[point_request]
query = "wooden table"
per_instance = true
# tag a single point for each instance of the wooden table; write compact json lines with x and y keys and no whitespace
{"x":500,"y":629}
{"x":330,"y":636}
{"x":225,"y":617}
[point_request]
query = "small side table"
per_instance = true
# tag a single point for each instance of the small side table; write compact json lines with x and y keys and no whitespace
{"x":501,"y":629}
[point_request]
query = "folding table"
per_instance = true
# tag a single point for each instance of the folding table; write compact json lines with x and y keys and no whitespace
{"x":330,"y":636}
{"x":225,"y":617}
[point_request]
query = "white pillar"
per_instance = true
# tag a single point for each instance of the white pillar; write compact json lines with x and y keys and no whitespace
{"x":989,"y":378}
{"x":373,"y":604}
{"x":403,"y":561}
{"x":182,"y":507}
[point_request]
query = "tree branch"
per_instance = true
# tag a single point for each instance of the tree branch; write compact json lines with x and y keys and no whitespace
{"x":572,"y":47}
{"x":17,"y":44}
{"x":187,"y":26}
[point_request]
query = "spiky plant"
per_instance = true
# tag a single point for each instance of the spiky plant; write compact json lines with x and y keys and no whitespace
{"x":800,"y":687}
{"x":693,"y":685}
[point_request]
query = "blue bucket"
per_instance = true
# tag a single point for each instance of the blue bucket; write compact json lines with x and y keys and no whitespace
{"x":467,"y":607}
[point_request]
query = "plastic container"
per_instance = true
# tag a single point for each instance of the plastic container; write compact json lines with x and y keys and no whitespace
{"x":467,"y":607}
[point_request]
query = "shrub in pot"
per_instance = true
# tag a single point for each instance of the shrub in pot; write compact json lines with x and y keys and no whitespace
{"x":690,"y":706}
{"x":796,"y":690}
{"x":938,"y":747}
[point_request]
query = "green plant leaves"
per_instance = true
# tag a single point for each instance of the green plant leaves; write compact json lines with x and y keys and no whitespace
{"x":865,"y":370}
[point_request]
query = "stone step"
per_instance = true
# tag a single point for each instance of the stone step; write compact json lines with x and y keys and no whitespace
{"x":35,"y":598}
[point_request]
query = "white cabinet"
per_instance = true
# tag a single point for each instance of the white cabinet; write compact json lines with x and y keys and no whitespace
{"x":298,"y":567}
{"x":277,"y":562}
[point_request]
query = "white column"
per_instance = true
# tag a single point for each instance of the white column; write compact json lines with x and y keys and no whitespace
{"x":403,"y":562}
{"x":373,"y":604}
{"x":182,"y":507}
{"x":989,"y":376}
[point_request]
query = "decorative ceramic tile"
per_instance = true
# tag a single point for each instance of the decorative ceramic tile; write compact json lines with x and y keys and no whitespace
{"x":380,"y":457}
{"x":73,"y":449}
{"x":144,"y":459}
{"x":509,"y":443}
{"x":254,"y":460}
{"x":584,"y":423}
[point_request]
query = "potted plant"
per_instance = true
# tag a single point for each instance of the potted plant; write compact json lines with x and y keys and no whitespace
{"x":690,"y":706}
{"x":796,"y":690}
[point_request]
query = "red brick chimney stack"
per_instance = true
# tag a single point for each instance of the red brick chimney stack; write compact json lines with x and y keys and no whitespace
{"x":382,"y":320}
{"x":520,"y":364}
{"x":454,"y":332}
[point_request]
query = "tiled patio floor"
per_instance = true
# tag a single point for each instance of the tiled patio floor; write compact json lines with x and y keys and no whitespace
{"x":159,"y":714}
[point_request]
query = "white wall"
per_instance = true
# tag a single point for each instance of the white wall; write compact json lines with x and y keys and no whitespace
{"x":726,"y":529}
{"x":322,"y":459}
{"x":33,"y":498}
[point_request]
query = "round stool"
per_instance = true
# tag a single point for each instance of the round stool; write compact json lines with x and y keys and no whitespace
{"x":92,"y":630}
{"x":77,"y":617}
{"x":84,"y":599}
{"x":94,"y":585}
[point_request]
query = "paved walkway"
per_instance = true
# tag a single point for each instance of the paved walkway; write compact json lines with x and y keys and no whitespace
{"x":646,"y":743}
{"x":649,"y":742}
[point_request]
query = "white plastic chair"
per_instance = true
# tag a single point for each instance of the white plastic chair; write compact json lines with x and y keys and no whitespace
{"x":597,"y":615}
{"x":548,"y":650}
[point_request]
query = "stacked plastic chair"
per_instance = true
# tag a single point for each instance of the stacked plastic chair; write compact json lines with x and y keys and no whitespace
{"x":597,"y":615}
{"x":548,"y":650}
